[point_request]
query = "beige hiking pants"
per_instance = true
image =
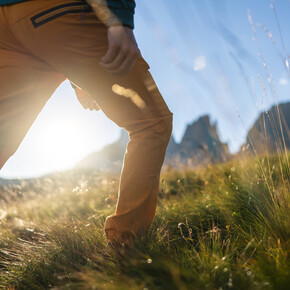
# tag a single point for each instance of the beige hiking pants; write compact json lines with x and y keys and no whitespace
{"x":44,"y":42}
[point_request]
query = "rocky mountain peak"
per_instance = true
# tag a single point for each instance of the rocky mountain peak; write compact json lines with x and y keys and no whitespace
{"x":271,"y":131}
{"x":201,"y":139}
{"x":200,"y":144}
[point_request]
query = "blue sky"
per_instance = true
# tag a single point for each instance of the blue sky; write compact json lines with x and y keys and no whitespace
{"x":204,"y":59}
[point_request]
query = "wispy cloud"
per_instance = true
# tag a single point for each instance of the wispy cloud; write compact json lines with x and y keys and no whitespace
{"x":283,"y":82}
{"x":199,"y":63}
{"x":236,"y":43}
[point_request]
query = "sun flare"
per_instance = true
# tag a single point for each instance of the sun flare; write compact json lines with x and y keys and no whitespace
{"x":61,"y":142}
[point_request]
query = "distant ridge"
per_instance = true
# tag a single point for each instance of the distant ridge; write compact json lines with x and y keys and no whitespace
{"x":110,"y":158}
{"x":271,"y":131}
{"x":200,"y":144}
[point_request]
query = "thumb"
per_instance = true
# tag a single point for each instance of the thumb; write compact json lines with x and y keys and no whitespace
{"x":112,"y":52}
{"x":96,"y":107}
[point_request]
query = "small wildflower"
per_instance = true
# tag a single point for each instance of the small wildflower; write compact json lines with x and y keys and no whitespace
{"x":180,"y":225}
{"x":149,"y":261}
{"x":84,"y":184}
{"x":2,"y":214}
{"x":190,"y":233}
{"x":215,"y":230}
{"x":75,"y":189}
{"x":249,"y":273}
{"x":216,"y":267}
{"x":230,"y":284}
{"x":225,"y":270}
{"x":19,"y":222}
{"x":108,"y":199}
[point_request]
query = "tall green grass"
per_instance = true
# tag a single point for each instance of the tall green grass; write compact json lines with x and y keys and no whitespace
{"x":222,"y":227}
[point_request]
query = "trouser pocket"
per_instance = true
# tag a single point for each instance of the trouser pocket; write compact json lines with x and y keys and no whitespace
{"x":58,"y":11}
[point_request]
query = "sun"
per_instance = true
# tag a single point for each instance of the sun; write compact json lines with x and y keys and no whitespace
{"x":60,"y":142}
{"x":62,"y":135}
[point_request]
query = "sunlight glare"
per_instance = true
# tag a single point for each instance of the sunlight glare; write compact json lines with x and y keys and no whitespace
{"x":61,"y":142}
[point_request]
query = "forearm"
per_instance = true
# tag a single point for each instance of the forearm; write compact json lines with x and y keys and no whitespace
{"x":114,"y":12}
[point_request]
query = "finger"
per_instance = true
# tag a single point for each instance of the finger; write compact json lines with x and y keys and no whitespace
{"x":96,"y":107}
{"x":127,"y":64}
{"x":91,"y":105}
{"x":86,"y":104}
{"x":83,"y":101}
{"x":117,"y":62}
{"x":111,"y":54}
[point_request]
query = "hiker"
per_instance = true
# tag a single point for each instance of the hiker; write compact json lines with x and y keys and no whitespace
{"x":90,"y":43}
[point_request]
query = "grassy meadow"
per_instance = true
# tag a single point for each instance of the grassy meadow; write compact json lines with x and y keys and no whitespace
{"x":225,"y":226}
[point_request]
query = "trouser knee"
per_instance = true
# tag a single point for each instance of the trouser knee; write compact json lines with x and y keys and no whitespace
{"x":166,"y":128}
{"x":157,"y":128}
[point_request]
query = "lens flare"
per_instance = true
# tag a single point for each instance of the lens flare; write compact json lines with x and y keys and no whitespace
{"x":60,"y":142}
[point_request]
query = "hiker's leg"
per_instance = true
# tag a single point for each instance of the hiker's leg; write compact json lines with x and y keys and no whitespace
{"x":74,"y":44}
{"x":20,"y":104}
{"x":26,"y":83}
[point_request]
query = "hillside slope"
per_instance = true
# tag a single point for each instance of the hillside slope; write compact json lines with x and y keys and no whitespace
{"x":221,"y":227}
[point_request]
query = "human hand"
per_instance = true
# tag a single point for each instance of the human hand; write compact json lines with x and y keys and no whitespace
{"x":86,"y":100}
{"x":123,"y":50}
